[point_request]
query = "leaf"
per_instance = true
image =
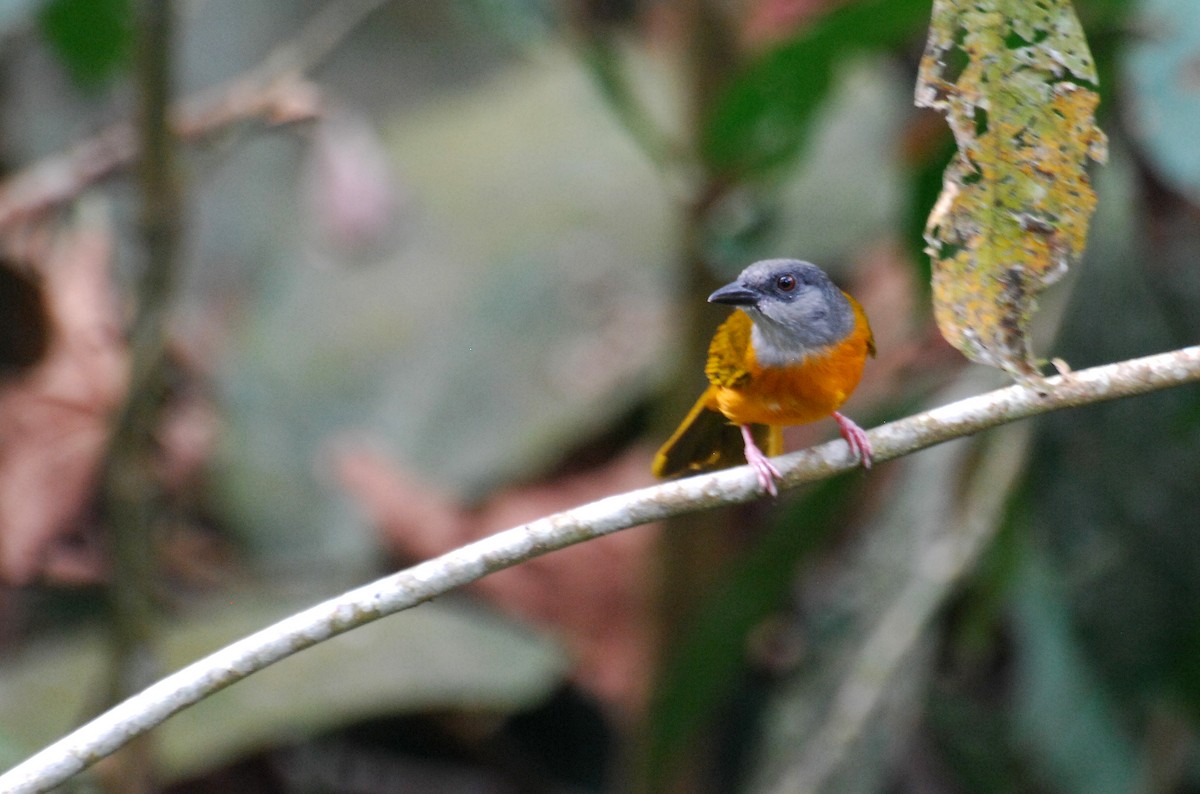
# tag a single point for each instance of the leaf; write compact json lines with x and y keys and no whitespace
{"x":1165,"y":103}
{"x":92,"y":37}
{"x":1015,"y":81}
{"x":593,"y":596}
{"x":55,"y":417}
{"x":762,"y":120}
{"x":1062,"y":713}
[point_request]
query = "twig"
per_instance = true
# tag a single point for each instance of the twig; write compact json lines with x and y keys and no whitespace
{"x":275,"y":92}
{"x":430,"y":579}
{"x":40,"y":188}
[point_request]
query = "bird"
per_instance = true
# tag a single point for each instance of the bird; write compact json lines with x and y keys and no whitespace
{"x":791,"y":353}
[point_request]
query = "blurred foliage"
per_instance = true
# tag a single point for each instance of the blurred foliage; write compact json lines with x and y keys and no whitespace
{"x":444,"y":658}
{"x":607,"y":63}
{"x":1095,"y":607}
{"x":1011,"y":613}
{"x":848,"y":188}
{"x":92,"y":37}
{"x":535,"y":314}
{"x":521,"y":23}
{"x":707,"y":664}
{"x":14,"y":12}
{"x":926,"y":167}
{"x":761,"y":121}
{"x":1061,"y":710}
{"x":1164,"y":101}
{"x":1120,"y":531}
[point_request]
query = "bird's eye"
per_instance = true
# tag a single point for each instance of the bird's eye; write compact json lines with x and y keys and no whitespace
{"x":786,"y":283}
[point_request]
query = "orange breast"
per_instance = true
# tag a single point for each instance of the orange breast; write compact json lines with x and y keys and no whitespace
{"x":804,"y":392}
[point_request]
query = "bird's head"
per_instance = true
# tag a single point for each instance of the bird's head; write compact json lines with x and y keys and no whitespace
{"x":796,"y":309}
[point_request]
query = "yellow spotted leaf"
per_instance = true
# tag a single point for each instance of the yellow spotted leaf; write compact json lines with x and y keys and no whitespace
{"x":1016,"y":82}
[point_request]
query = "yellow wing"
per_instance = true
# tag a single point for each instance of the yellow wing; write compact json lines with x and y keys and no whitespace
{"x":861,"y":317}
{"x":706,"y":440}
{"x":726,"y":365}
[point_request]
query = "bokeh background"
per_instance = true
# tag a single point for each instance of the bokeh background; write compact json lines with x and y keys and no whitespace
{"x":454,"y":280}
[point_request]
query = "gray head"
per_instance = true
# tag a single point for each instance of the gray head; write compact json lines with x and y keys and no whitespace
{"x":795,"y":307}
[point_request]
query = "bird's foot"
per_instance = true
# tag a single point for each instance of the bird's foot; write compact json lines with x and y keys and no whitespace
{"x":856,"y":437}
{"x":766,"y":472}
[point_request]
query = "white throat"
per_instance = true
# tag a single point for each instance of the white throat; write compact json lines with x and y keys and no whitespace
{"x":776,"y":347}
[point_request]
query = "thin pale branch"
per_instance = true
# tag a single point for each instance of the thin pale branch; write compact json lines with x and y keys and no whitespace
{"x":274,"y":92}
{"x":57,"y":179}
{"x":436,"y":577}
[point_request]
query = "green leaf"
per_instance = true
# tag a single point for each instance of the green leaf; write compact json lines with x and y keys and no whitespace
{"x":1062,"y":714}
{"x":709,"y":658}
{"x":92,"y":37}
{"x":762,"y":121}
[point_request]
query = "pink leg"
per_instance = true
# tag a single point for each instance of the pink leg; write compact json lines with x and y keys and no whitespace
{"x":856,"y":437}
{"x":766,"y":471}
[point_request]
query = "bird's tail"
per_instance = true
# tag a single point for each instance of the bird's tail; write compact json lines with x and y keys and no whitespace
{"x":706,"y":440}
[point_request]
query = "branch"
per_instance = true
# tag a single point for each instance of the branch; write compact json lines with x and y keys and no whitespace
{"x":436,"y":577}
{"x":275,"y":92}
{"x":41,"y":187}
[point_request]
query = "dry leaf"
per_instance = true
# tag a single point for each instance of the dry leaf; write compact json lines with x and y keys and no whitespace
{"x":594,"y":595}
{"x":54,"y":420}
{"x":1016,"y":200}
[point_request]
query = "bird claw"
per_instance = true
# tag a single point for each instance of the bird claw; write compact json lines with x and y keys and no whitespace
{"x":767,"y":475}
{"x":766,"y":472}
{"x":856,"y":438}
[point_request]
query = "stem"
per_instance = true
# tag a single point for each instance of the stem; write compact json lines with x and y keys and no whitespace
{"x":436,"y":577}
{"x":130,"y":492}
{"x":274,"y":92}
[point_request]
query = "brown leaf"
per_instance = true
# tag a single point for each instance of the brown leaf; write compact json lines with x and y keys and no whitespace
{"x":54,"y":420}
{"x":594,"y":595}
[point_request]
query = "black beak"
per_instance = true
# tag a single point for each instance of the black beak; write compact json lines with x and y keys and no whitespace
{"x":735,"y":295}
